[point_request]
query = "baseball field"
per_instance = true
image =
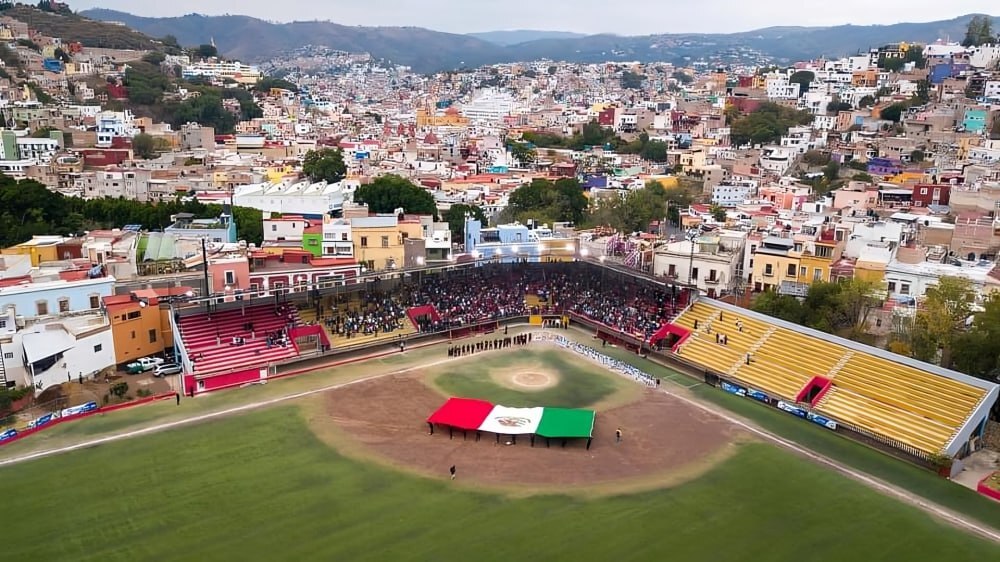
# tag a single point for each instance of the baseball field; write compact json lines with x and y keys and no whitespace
{"x":351,"y":473}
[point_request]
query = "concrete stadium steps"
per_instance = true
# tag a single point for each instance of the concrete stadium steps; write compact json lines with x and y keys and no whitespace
{"x":943,"y":400}
{"x":896,"y":423}
{"x":207,"y":338}
{"x":337,"y":340}
{"x":908,"y":404}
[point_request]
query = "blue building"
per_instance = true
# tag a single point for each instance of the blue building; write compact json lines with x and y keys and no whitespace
{"x":974,"y":120}
{"x":52,"y":65}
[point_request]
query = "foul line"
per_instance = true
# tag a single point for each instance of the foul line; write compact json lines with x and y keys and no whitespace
{"x":872,"y":482}
{"x":211,"y":415}
{"x":866,"y":479}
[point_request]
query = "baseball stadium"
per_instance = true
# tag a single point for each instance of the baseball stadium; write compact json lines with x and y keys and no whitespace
{"x":554,"y":410}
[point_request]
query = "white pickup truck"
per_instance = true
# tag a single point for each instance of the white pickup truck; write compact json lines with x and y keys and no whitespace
{"x":142,"y":365}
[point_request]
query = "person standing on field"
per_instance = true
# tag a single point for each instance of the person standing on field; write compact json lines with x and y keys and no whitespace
{"x":618,"y":435}
{"x":452,"y":470}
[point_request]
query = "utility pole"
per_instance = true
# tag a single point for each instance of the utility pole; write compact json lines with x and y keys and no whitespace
{"x":208,"y":289}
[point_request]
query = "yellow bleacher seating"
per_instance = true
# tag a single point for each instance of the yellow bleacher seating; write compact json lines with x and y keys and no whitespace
{"x":905,"y":403}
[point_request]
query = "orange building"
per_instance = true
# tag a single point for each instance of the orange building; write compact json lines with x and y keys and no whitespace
{"x":139,"y":326}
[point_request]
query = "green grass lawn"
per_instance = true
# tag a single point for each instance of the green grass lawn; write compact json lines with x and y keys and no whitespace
{"x":582,"y":384}
{"x":262,"y":487}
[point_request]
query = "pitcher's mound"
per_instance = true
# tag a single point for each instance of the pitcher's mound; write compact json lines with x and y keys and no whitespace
{"x":534,"y":379}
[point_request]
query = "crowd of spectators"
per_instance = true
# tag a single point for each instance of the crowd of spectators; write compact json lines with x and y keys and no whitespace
{"x":376,"y":314}
{"x":488,"y":294}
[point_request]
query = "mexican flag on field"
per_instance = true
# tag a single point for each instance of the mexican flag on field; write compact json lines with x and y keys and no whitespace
{"x":479,"y":415}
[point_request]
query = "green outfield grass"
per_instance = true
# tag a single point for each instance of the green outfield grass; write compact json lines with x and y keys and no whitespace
{"x":581,"y":383}
{"x":262,"y":487}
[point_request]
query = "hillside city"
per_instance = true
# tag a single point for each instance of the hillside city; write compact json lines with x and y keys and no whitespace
{"x":856,"y":195}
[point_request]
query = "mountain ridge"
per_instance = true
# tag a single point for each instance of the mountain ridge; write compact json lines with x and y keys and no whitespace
{"x":425,"y":50}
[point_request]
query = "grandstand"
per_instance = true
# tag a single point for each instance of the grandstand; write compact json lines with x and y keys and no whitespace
{"x":208,"y":337}
{"x":921,"y":408}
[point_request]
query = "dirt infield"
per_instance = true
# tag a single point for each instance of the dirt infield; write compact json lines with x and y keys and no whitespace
{"x":532,"y":380}
{"x":665,"y":441}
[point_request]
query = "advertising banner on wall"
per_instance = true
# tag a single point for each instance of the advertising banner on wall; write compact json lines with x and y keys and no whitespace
{"x":39,"y":422}
{"x":9,"y":434}
{"x":791,"y":409}
{"x":81,"y":409}
{"x":757,"y":395}
{"x":733,"y":389}
{"x":825,"y":422}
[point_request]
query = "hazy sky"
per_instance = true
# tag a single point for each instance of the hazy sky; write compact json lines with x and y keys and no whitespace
{"x":628,"y":17}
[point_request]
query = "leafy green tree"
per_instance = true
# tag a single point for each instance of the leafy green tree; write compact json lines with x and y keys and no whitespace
{"x":977,"y":352}
{"x":682,"y":77}
{"x":119,"y":389}
{"x":766,"y":124}
{"x":831,"y":171}
{"x":946,"y":308}
{"x":268,"y":83}
{"x":893,"y":112}
{"x":390,"y":192}
{"x":866,"y":101}
{"x":979,"y":31}
{"x":862,"y":176}
{"x":917,"y":155}
{"x":891,"y":64}
{"x":206,"y":51}
{"x":325,"y":164}
{"x":654,"y":151}
{"x":718,"y":213}
{"x":144,"y":146}
{"x":632,"y":80}
{"x":154,"y":57}
{"x":785,"y":307}
{"x":548,"y":202}
{"x":455,"y":217}
{"x":523,"y":153}
{"x":816,"y":158}
{"x":837,"y":106}
{"x":804,"y":78}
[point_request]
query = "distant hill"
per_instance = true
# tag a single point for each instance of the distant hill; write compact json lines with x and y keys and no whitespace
{"x":515,"y":36}
{"x":252,"y":39}
{"x":91,"y":32}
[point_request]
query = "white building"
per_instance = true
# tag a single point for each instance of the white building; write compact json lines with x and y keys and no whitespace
{"x":222,"y":70}
{"x":337,"y":239}
{"x":51,"y":331}
{"x":734,"y":192}
{"x":713,"y":261}
{"x":299,"y":198}
{"x":913,"y":279}
{"x":777,"y":159}
{"x":490,"y":105}
{"x":111,"y":124}
{"x":778,"y":87}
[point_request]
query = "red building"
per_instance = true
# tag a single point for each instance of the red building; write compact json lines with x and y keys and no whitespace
{"x":927,"y":194}
{"x":607,"y":117}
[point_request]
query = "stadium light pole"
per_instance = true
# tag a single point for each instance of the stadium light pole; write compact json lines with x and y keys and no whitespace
{"x":691,"y":236}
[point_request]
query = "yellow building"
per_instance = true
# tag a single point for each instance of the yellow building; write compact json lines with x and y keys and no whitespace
{"x":139,"y":327}
{"x":378,"y":242}
{"x":448,"y":118}
{"x":778,"y":260}
{"x":39,"y":248}
{"x":908,"y":178}
{"x":275,"y":174}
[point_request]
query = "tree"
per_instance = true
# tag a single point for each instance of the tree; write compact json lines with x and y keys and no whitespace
{"x":547,"y":202}
{"x":144,"y":146}
{"x":154,"y":57}
{"x":891,"y":64}
{"x":816,"y":158}
{"x":682,"y":77}
{"x":119,"y":389}
{"x":766,"y":124}
{"x":523,"y":153}
{"x":206,"y":51}
{"x":978,"y":32}
{"x":893,"y":112}
{"x":325,"y":164}
{"x":267,"y":83}
{"x":977,"y":352}
{"x":866,"y":101}
{"x":654,"y":151}
{"x":836,"y":106}
{"x":831,"y":171}
{"x":632,"y":80}
{"x":862,"y":176}
{"x":917,"y":156}
{"x":388,"y":193}
{"x":718,"y":213}
{"x":804,"y":78}
{"x":455,"y":217}
{"x":785,"y":307}
{"x":946,"y":308}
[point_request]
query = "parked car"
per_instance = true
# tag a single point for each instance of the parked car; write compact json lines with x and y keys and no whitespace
{"x":167,"y":369}
{"x":142,"y":365}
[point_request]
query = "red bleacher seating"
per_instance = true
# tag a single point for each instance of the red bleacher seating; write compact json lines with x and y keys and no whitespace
{"x":208,"y":338}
